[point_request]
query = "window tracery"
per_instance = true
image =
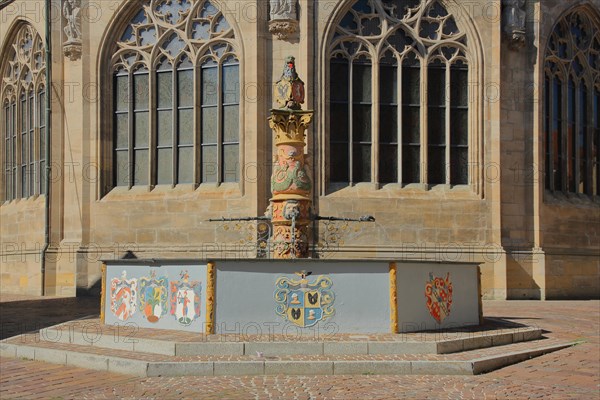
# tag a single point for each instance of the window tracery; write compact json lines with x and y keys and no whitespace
{"x":23,"y":116}
{"x":571,"y":99}
{"x":176,"y":62}
{"x":399,"y":97}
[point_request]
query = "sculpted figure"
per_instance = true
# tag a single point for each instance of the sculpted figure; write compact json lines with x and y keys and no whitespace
{"x":71,"y":12}
{"x":282,"y":9}
{"x":514,"y":21}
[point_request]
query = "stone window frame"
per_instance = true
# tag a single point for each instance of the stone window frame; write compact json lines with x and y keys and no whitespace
{"x":221,"y":46}
{"x":22,"y":104}
{"x":558,"y":77}
{"x":473,"y":54}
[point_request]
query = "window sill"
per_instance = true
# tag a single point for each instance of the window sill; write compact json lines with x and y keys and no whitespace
{"x":570,"y":199}
{"x":415,"y":190}
{"x":225,"y":190}
{"x":27,"y":200}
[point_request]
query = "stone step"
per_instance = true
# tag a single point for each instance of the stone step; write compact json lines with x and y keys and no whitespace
{"x":188,"y":344}
{"x":148,"y":364}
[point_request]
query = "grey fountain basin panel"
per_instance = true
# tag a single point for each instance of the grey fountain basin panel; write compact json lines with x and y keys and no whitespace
{"x":267,"y":297}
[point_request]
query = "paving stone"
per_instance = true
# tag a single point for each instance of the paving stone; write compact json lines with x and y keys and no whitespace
{"x":502,"y":339}
{"x":371,"y":367}
{"x":402,"y":348}
{"x":441,"y":368}
{"x":479,"y":342}
{"x":345,"y":348}
{"x":8,"y":350}
{"x":298,"y":368}
{"x":129,"y":367}
{"x":180,"y":369}
{"x":283,"y":348}
{"x":51,"y":356}
{"x":90,"y":361}
{"x":450,"y":346}
{"x":239,"y":368}
{"x":200,"y":349}
{"x":25,"y":352}
{"x":571,"y":373}
{"x":155,"y":347}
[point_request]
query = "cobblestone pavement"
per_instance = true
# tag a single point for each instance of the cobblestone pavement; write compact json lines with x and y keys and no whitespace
{"x":572,"y":373}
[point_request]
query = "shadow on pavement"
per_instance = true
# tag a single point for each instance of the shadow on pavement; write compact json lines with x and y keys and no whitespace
{"x":17,"y":317}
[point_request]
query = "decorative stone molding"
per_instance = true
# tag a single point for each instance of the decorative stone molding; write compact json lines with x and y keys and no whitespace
{"x":283,"y":22}
{"x":514,"y":16}
{"x":283,"y":29}
{"x":72,"y":15}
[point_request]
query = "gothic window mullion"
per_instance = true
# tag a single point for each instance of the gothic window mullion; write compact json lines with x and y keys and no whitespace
{"x":424,"y":153}
{"x":564,"y":178}
{"x":375,"y":116}
{"x":42,"y":140}
{"x":577,"y":139}
{"x":548,"y":92}
{"x":174,"y":125}
{"x":220,"y":155}
{"x":31,"y":143}
{"x":14,"y":147}
{"x":130,"y":152}
{"x":400,"y":121}
{"x":589,"y":141}
{"x":197,"y":125}
{"x":23,"y":147}
{"x":7,"y":151}
{"x":351,"y":124}
{"x":447,"y":131}
{"x":152,"y":128}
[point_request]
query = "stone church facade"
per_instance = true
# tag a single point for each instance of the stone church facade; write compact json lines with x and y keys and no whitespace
{"x":468,"y":130}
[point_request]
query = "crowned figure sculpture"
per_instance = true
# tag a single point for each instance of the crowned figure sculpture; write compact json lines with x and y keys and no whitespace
{"x":291,"y":185}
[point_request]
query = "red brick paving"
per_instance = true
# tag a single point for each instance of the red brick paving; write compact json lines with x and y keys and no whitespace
{"x":573,"y":373}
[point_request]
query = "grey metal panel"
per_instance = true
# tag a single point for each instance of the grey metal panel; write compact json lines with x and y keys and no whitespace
{"x":413,"y":314}
{"x":246,"y":304}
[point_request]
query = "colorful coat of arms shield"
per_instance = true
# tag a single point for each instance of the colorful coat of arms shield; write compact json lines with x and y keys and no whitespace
{"x":303,"y":303}
{"x":153,"y":296}
{"x":123,"y":296}
{"x":438,"y":292}
{"x":185,"y":299}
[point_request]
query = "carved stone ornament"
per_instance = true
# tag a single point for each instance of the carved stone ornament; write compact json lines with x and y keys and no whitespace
{"x":72,"y":14}
{"x":514,"y":17}
{"x":283,"y":22}
{"x":283,"y":29}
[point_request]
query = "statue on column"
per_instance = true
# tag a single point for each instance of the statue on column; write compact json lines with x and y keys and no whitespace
{"x":72,"y":14}
{"x":514,"y":18}
{"x":291,"y":185}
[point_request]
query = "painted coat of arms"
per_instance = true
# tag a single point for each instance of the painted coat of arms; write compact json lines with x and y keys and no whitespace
{"x":123,"y":296}
{"x":153,"y":296}
{"x":303,"y":303}
{"x":438,"y":292}
{"x":185,"y":299}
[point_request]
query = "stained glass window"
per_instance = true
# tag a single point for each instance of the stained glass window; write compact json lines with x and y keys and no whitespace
{"x":571,"y":86}
{"x":419,"y":137}
{"x":176,"y":97}
{"x":23,"y":117}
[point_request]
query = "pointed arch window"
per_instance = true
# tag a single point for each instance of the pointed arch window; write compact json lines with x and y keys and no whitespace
{"x":571,"y":96}
{"x":399,"y":95}
{"x":23,"y":117}
{"x":176,"y":96}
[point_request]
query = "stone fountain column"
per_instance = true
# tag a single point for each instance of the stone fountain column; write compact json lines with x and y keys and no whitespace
{"x":291,"y":185}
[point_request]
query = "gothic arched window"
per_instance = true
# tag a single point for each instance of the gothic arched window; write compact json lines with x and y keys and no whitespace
{"x":571,"y":100}
{"x":176,"y":96}
{"x":399,"y":95}
{"x":23,"y":116}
